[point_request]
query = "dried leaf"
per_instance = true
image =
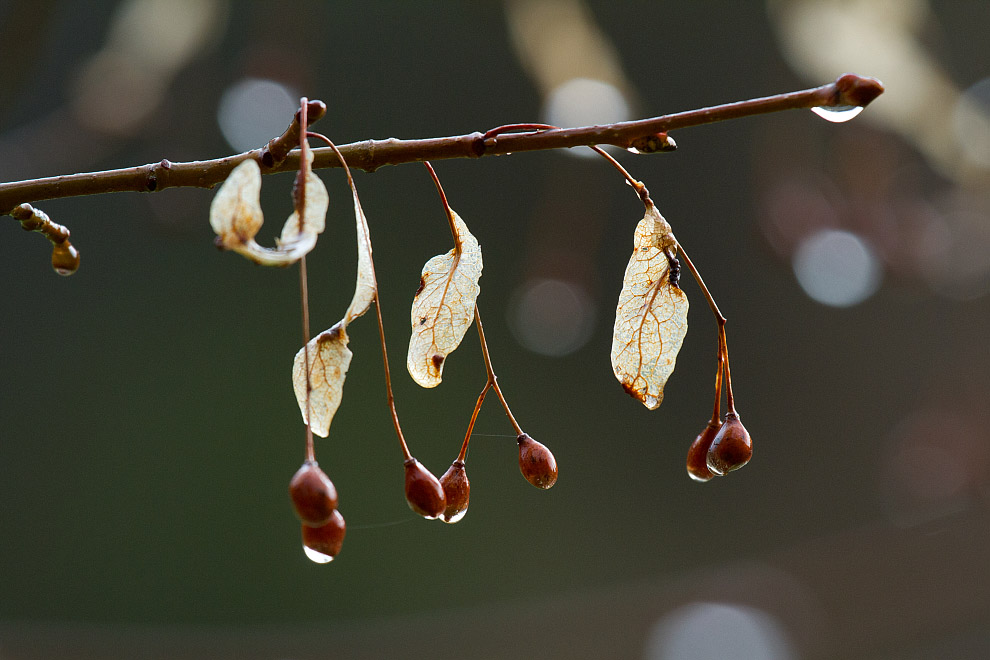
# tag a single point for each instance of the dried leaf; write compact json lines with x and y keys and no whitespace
{"x":236,"y":217}
{"x":443,"y":308}
{"x":299,"y":237}
{"x":651,"y":317}
{"x":329,"y":356}
{"x":365,"y":287}
{"x":329,"y":359}
{"x":235,"y":212}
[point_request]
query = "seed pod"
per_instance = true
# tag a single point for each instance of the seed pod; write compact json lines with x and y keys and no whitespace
{"x":456,"y":491}
{"x":423,"y":491}
{"x":313,"y":494}
{"x":321,"y":544}
{"x":536,"y":462}
{"x":697,"y":456}
{"x":731,"y":448}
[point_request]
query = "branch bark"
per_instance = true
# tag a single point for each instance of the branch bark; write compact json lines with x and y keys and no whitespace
{"x":369,"y":155}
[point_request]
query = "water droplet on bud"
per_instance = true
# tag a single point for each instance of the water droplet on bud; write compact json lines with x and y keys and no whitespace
{"x":837,"y":113}
{"x":321,"y":544}
{"x":731,"y":448}
{"x":65,"y":258}
{"x":423,"y":491}
{"x":314,"y":496}
{"x":697,"y":456}
{"x":536,"y":462}
{"x":456,"y":491}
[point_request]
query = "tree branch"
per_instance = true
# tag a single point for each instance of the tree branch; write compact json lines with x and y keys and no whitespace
{"x":369,"y":155}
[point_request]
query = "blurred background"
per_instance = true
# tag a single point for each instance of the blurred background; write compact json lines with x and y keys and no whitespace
{"x":148,"y":429}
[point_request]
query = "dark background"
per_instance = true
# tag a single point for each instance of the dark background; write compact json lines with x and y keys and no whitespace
{"x":148,"y":428}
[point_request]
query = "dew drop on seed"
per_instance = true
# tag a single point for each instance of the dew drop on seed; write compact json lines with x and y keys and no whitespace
{"x":837,"y":113}
{"x":454,"y":518}
{"x":697,"y":478}
{"x":317,"y":557}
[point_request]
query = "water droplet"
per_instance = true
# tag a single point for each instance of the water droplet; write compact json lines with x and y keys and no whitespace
{"x":454,"y":518}
{"x":837,"y":113}
{"x":317,"y":557}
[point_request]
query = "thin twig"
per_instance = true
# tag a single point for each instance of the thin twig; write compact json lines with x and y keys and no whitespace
{"x":369,"y":155}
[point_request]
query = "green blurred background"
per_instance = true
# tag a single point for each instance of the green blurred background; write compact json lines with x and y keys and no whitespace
{"x":148,"y":428}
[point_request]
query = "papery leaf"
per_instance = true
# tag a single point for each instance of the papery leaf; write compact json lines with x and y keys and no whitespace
{"x":329,"y":359}
{"x":365,"y":287}
{"x":236,"y":217}
{"x":329,"y":356}
{"x":443,"y":308}
{"x":235,"y":212}
{"x":299,"y":236}
{"x":651,"y":317}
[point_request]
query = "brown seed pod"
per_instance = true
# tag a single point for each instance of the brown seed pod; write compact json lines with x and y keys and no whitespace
{"x":314,"y":496}
{"x":423,"y":491}
{"x":536,"y":462}
{"x":697,"y":456}
{"x":323,"y":543}
{"x":731,"y":448}
{"x":456,"y":491}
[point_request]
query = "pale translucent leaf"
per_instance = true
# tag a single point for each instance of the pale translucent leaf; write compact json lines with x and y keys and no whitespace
{"x":236,"y":217}
{"x":299,"y":236}
{"x":364,"y":286}
{"x":329,"y":359}
{"x":235,"y":212}
{"x":443,"y":308}
{"x":651,"y":317}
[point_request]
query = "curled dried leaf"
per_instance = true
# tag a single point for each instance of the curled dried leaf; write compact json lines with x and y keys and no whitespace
{"x":329,"y":356}
{"x":329,"y":359}
{"x":651,"y":317}
{"x":236,"y":217}
{"x":365,"y":287}
{"x":235,"y":212}
{"x":443,"y":308}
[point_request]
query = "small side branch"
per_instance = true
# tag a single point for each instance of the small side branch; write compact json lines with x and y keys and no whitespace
{"x":369,"y":155}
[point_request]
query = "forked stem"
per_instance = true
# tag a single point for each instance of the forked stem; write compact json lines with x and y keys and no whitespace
{"x":492,"y":378}
{"x":462,"y":456}
{"x":378,"y":313}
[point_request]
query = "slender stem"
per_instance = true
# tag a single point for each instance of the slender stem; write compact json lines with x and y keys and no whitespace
{"x":390,"y":397}
{"x":701,"y":283}
{"x":447,"y":210}
{"x":462,"y":456}
{"x":303,"y":278}
{"x":717,"y":412}
{"x":492,"y":378}
{"x":723,"y":346}
{"x":388,"y":382}
{"x":369,"y":155}
{"x":638,"y":186}
{"x":304,"y":289}
{"x":729,"y":401}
